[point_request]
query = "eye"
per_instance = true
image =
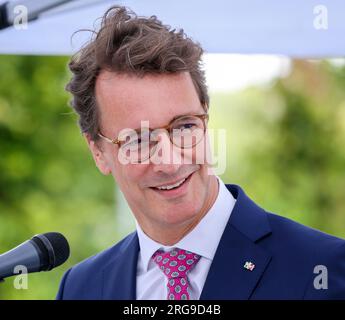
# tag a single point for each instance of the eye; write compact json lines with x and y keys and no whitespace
{"x":187,"y":123}
{"x":188,"y":126}
{"x":133,"y":143}
{"x":138,"y":140}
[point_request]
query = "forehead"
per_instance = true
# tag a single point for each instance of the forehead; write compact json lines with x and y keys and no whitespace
{"x":125,"y":100}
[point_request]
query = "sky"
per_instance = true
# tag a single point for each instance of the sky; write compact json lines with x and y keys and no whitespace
{"x":232,"y":72}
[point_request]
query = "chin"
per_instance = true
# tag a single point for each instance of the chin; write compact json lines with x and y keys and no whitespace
{"x":180,"y":214}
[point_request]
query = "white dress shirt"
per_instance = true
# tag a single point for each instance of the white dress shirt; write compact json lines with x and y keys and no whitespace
{"x":202,"y":240}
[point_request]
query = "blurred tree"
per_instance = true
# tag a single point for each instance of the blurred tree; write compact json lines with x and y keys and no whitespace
{"x":288,"y":152}
{"x":48,"y":181}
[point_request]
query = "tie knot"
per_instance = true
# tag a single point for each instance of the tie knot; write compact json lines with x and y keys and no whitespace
{"x":175,"y":263}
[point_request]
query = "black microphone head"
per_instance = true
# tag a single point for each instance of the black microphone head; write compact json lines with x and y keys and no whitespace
{"x":54,"y":249}
{"x":60,"y":246}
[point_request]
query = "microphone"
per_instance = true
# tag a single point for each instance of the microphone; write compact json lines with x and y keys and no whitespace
{"x":42,"y":252}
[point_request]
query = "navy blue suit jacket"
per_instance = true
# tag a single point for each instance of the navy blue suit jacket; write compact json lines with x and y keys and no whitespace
{"x":284,"y":252}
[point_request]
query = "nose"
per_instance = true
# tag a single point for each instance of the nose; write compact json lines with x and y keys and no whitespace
{"x":167,"y":157}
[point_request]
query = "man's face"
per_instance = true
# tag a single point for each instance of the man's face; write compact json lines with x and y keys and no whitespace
{"x":124,"y":101}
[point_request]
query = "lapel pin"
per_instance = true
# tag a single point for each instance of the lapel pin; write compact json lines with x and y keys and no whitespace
{"x":249,"y":265}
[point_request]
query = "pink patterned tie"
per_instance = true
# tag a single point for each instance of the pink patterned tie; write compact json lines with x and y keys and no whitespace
{"x":175,"y":264}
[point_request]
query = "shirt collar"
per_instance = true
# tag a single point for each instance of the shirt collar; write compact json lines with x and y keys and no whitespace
{"x":203,"y":239}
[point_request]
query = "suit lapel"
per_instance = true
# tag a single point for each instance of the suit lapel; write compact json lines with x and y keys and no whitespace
{"x":119,"y":275}
{"x":227,"y":277}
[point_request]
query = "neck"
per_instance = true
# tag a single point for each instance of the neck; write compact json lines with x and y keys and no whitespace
{"x":170,"y":235}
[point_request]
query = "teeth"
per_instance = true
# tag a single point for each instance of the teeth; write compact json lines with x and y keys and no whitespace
{"x":171,"y":186}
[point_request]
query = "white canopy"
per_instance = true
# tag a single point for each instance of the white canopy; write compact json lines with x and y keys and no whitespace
{"x":295,"y":28}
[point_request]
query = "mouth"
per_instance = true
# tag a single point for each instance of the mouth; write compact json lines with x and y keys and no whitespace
{"x":174,"y":190}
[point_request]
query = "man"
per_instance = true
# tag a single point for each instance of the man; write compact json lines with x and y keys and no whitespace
{"x":141,"y":97}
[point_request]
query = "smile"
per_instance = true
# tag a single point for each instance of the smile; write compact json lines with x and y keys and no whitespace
{"x":168,"y":187}
{"x":174,"y":190}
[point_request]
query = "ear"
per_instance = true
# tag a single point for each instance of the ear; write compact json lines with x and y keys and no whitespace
{"x":98,"y":155}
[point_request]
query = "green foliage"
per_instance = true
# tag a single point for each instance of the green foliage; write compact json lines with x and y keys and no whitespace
{"x":284,"y":147}
{"x":286,"y":144}
{"x":48,"y":180}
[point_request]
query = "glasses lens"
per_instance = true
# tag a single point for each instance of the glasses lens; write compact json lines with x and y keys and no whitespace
{"x":136,"y":147}
{"x":187,"y":131}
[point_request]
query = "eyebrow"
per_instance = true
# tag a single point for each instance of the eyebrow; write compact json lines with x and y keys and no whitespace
{"x":174,"y":118}
{"x":191,"y":113}
{"x":183,"y":115}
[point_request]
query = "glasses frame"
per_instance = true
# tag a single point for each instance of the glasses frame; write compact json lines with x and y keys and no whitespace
{"x":204,"y":117}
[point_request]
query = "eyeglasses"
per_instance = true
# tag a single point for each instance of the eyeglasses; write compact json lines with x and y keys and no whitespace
{"x":140,"y":144}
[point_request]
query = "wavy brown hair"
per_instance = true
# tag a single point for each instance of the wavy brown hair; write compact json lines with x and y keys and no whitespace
{"x":126,"y":43}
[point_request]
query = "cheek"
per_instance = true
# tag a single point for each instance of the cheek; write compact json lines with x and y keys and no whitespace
{"x":128,"y":176}
{"x":201,"y":183}
{"x":199,"y":154}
